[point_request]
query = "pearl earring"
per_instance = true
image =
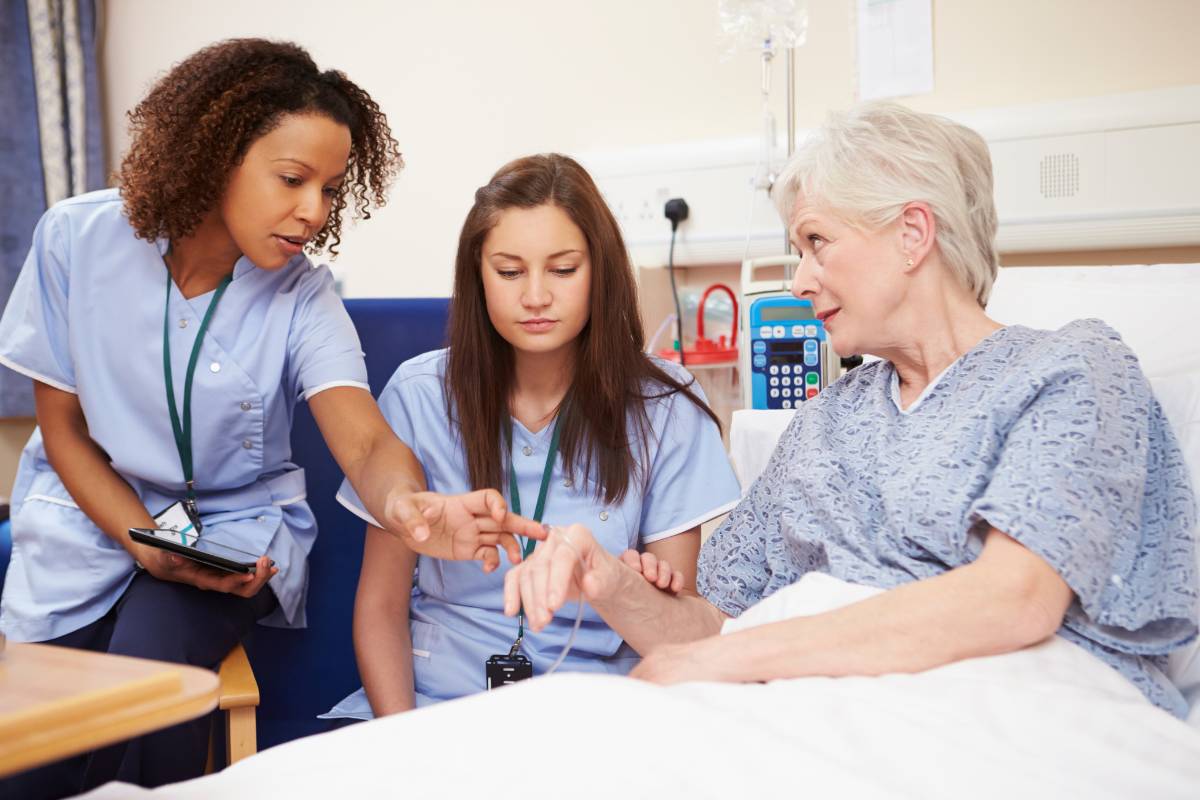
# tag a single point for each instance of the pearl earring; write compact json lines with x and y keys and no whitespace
{"x":908,"y":262}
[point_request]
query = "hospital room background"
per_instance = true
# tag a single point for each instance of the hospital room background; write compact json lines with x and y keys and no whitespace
{"x":660,"y":99}
{"x":1091,"y":109}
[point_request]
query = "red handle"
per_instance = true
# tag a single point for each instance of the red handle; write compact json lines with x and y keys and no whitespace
{"x":733,"y":327}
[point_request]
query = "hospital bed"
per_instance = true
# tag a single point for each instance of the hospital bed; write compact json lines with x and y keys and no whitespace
{"x":1049,"y":721}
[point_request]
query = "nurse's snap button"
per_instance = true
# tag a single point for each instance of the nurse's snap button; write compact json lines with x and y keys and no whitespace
{"x":527,"y":450}
{"x":183,"y":323}
{"x":214,"y":367}
{"x":247,"y":444}
{"x":245,"y":406}
{"x":604,"y":516}
{"x":1116,"y":579}
{"x":262,"y":519}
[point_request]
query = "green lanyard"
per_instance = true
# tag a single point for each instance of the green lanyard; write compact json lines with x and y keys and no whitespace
{"x":515,"y":500}
{"x":183,"y":431}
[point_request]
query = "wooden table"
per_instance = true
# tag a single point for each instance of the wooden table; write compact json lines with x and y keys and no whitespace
{"x":57,"y":702}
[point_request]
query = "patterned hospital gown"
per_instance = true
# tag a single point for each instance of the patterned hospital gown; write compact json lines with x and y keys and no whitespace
{"x":1052,"y":437}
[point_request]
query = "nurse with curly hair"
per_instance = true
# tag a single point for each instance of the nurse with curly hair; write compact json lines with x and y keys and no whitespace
{"x":170,"y":327}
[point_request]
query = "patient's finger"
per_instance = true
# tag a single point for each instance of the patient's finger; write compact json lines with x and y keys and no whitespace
{"x":632,"y":559}
{"x":664,"y":574}
{"x":512,"y":590}
{"x":562,"y":573}
{"x":539,"y":575}
{"x":527,"y":596}
{"x":677,"y":582}
{"x":650,"y":567}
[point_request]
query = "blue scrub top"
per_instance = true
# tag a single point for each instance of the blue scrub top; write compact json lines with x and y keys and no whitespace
{"x":456,"y":616}
{"x":86,"y":317}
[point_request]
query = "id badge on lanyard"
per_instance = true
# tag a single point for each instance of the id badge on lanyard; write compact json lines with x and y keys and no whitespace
{"x":503,"y":669}
{"x":181,"y":425}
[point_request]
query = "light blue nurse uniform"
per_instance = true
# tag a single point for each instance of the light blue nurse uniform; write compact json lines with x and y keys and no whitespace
{"x":456,"y":612}
{"x":86,"y":317}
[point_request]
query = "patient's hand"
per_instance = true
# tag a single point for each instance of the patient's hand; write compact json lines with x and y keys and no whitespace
{"x":462,"y":527}
{"x":569,"y":563}
{"x":656,"y":571}
{"x":702,"y":660}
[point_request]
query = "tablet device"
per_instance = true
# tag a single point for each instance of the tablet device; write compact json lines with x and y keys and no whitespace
{"x":197,"y":548}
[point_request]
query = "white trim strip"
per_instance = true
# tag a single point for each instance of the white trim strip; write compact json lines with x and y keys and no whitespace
{"x":318,"y":389}
{"x":28,"y":373}
{"x":692,"y":523}
{"x":45,"y":498}
{"x":290,"y":500}
{"x":356,"y":511}
{"x":421,"y":653}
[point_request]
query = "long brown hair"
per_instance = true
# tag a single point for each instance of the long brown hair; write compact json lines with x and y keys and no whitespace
{"x":613,"y":378}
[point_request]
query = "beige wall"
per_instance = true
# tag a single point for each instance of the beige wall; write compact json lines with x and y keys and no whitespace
{"x":470,"y":84}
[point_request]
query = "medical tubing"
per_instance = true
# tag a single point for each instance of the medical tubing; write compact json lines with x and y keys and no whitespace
{"x":652,"y":342}
{"x":578,"y":613}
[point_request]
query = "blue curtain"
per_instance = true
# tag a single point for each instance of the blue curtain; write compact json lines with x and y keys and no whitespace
{"x":50,"y":139}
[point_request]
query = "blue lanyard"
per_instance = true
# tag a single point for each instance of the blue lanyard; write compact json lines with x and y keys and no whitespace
{"x":183,"y":428}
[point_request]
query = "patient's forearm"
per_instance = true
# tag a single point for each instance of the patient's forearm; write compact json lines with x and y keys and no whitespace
{"x":646,"y":616}
{"x":977,"y":610}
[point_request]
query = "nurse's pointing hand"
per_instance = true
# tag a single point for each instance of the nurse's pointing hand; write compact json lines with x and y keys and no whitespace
{"x":463,"y":527}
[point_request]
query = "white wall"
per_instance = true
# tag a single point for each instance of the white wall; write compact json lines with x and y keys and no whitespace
{"x":470,"y":84}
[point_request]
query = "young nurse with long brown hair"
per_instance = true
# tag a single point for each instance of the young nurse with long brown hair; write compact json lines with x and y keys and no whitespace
{"x":545,"y":394}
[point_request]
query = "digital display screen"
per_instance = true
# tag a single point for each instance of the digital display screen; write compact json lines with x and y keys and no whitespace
{"x":787,"y":347}
{"x":785,"y":313}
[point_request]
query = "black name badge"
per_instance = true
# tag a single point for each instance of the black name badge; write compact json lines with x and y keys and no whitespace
{"x":506,"y":669}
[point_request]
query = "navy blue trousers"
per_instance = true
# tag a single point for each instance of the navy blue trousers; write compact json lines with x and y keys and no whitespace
{"x":164,"y":621}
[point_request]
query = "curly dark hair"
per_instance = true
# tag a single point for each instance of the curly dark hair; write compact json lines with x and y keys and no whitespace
{"x":199,"y":119}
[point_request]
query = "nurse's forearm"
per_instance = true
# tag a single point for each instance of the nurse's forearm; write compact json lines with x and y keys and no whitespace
{"x":377,"y":464}
{"x":382,"y":636}
{"x":84,"y":468}
{"x":383,"y":649}
{"x":646,"y":616}
{"x":389,"y":469}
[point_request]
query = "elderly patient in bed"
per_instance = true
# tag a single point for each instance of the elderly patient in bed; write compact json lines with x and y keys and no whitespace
{"x":1003,"y":484}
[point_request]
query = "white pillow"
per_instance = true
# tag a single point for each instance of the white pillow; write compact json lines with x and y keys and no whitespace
{"x":1180,"y":398}
{"x":1152,"y":307}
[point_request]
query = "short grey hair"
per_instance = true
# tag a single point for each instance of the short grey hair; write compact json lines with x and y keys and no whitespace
{"x":866,"y":164}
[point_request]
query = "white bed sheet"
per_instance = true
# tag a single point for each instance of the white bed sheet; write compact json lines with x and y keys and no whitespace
{"x":1050,"y":721}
